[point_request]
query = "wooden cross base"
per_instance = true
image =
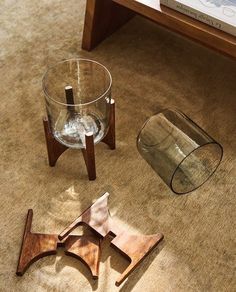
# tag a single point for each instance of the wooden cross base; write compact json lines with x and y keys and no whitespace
{"x":55,"y":148}
{"x":35,"y":246}
{"x":134,"y":247}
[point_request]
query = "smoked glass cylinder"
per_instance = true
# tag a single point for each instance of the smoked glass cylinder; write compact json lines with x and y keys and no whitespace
{"x":77,"y":95}
{"x":180,"y":152}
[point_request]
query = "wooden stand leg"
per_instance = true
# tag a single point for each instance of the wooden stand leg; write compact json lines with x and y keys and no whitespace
{"x":54,"y":148}
{"x":102,"y":18}
{"x":134,"y":247}
{"x":110,"y":138}
{"x":34,"y":246}
{"x":85,"y":248}
{"x":70,"y":98}
{"x":89,"y":156}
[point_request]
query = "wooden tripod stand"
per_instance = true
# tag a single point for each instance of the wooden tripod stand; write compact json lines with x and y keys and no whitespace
{"x":55,"y":148}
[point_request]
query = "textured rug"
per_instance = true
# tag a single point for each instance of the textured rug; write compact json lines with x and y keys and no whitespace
{"x":152,"y":68}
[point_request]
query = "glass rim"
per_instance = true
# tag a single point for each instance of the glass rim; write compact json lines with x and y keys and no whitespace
{"x":213,"y":142}
{"x":173,"y":109}
{"x":155,"y":114}
{"x":78,"y":104}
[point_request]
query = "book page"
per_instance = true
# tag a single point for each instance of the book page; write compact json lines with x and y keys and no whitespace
{"x":225,"y":10}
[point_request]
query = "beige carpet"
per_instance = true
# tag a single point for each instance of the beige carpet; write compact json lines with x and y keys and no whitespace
{"x":151,"y":68}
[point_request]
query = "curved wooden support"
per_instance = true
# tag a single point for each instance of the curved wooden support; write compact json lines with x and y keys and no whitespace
{"x":96,"y":217}
{"x":135,"y":247}
{"x":110,"y":138}
{"x":86,"y":249}
{"x":34,"y":246}
{"x":54,"y":148}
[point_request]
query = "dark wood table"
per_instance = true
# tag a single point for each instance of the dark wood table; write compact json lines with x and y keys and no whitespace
{"x":103,"y":17}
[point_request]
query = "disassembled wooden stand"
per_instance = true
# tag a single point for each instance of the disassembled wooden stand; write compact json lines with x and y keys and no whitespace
{"x":87,"y":248}
{"x":35,"y":246}
{"x":55,"y":148}
{"x":134,"y":247}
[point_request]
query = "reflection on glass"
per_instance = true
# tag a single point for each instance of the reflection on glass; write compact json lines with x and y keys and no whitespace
{"x":77,"y":94}
{"x":182,"y":154}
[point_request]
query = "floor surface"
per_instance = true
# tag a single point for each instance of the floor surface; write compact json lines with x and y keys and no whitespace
{"x":152,"y":69}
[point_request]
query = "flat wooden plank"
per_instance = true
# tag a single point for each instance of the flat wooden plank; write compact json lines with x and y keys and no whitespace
{"x":203,"y":33}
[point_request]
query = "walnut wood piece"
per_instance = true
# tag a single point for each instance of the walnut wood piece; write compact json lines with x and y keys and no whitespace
{"x":85,"y":248}
{"x":54,"y":148}
{"x":89,"y":156}
{"x":178,"y":22}
{"x":110,"y":138}
{"x":134,"y":247}
{"x":69,"y":98}
{"x":35,"y":246}
{"x":102,"y":18}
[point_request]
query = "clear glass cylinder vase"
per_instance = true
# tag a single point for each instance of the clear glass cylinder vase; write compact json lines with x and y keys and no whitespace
{"x":77,"y":95}
{"x":180,"y":152}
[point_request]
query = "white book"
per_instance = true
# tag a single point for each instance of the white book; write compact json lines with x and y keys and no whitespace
{"x":220,"y":14}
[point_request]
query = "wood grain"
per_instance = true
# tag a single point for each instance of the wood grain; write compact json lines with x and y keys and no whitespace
{"x":175,"y":21}
{"x":70,"y":98}
{"x":87,"y":249}
{"x":54,"y":148}
{"x":35,"y":246}
{"x":110,"y":138}
{"x":89,"y":156}
{"x":196,"y":30}
{"x":102,"y":18}
{"x":134,"y":247}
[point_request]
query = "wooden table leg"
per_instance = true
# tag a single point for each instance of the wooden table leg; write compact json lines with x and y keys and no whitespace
{"x":102,"y":18}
